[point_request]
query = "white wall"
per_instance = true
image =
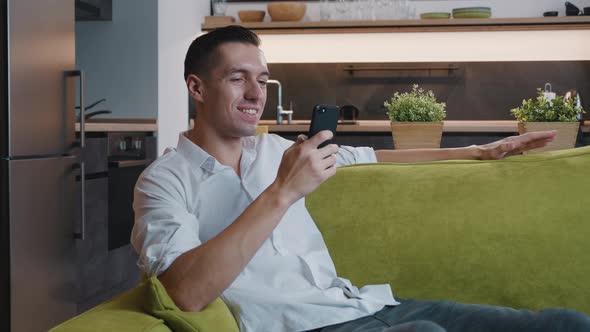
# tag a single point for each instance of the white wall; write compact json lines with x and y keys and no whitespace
{"x":119,"y":58}
{"x":179,"y":22}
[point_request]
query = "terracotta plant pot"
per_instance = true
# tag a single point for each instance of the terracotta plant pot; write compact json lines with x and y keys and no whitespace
{"x":567,"y":133}
{"x":416,"y":135}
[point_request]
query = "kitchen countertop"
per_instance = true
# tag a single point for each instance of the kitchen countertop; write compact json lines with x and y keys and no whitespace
{"x":109,"y":125}
{"x":364,"y":126}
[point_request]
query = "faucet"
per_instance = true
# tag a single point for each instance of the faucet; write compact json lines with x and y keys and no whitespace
{"x":280,"y":110}
{"x":91,"y":114}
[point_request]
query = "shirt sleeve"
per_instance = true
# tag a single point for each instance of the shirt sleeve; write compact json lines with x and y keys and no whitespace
{"x":348,"y":155}
{"x":164,"y":228}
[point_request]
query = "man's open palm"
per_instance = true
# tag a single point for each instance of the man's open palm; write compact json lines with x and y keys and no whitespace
{"x":516,"y":144}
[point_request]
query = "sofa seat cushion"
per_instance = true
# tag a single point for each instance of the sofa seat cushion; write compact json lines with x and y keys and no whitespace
{"x":511,"y":232}
{"x":214,"y":317}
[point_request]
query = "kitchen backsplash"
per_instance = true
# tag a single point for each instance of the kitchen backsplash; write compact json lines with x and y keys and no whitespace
{"x":472,"y":90}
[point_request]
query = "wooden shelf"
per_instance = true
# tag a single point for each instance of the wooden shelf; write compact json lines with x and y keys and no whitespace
{"x":429,"y":25}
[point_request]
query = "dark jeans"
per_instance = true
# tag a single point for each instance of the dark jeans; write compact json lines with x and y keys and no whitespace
{"x":440,"y":316}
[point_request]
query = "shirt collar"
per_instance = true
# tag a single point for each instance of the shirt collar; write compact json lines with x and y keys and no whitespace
{"x":195,"y":154}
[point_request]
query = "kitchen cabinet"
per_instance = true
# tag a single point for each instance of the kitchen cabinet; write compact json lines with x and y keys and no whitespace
{"x":95,"y":155}
{"x":102,"y":272}
{"x":92,"y":251}
{"x":94,"y":10}
{"x":380,"y":141}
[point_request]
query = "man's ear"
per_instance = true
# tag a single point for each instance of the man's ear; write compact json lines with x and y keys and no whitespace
{"x":196,"y":88}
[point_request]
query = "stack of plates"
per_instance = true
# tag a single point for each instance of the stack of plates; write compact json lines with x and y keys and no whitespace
{"x":472,"y":12}
{"x":435,"y":15}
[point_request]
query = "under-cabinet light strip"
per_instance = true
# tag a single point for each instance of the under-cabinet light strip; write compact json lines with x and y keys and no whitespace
{"x":571,"y":45}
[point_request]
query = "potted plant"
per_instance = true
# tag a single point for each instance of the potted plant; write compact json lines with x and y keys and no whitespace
{"x":416,"y":119}
{"x":560,"y":113}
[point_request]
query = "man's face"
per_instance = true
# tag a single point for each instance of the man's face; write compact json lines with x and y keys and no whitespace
{"x":234,"y":91}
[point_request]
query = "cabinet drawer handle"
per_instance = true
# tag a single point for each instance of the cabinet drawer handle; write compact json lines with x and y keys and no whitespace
{"x":129,"y":163}
{"x":82,"y":233}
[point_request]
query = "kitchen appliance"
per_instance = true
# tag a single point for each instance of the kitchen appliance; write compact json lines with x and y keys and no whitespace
{"x":128,"y":155}
{"x":571,"y":9}
{"x":348,"y":114}
{"x":39,"y":159}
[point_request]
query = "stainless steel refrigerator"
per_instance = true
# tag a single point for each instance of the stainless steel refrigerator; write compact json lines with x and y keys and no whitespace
{"x":39,"y":164}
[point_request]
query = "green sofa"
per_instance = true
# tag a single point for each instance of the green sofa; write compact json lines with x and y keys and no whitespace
{"x":512,"y":232}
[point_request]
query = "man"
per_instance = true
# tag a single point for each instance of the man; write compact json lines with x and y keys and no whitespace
{"x":224,"y":214}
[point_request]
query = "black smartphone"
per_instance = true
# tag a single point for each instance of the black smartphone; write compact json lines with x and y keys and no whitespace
{"x":324,"y":117}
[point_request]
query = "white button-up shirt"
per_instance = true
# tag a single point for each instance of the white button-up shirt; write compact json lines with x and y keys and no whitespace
{"x":186,"y":197}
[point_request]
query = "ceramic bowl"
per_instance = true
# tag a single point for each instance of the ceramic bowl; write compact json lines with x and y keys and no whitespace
{"x":472,"y":12}
{"x":435,"y":15}
{"x":251,"y":15}
{"x":286,"y":11}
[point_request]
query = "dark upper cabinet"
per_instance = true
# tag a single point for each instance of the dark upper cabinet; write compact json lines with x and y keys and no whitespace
{"x":94,"y":10}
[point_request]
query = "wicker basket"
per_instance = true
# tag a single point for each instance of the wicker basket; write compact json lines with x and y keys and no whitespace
{"x":567,"y":133}
{"x":416,"y":135}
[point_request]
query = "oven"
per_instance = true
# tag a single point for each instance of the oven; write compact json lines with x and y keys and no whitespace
{"x":129,"y":154}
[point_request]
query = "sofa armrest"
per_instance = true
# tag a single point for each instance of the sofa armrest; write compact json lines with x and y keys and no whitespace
{"x":123,"y":313}
{"x":148,"y":307}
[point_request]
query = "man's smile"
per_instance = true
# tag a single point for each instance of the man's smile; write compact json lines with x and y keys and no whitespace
{"x":251,"y":111}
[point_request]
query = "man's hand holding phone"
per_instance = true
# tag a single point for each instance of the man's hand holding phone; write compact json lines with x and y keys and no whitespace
{"x":305,"y":166}
{"x":310,"y":160}
{"x":324,"y":117}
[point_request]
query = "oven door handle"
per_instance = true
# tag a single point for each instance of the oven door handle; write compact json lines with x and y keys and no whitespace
{"x":129,"y":163}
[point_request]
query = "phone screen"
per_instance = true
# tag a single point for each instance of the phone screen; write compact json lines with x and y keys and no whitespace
{"x":324,"y":117}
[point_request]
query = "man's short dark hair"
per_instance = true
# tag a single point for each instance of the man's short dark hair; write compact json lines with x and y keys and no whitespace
{"x":199,"y":56}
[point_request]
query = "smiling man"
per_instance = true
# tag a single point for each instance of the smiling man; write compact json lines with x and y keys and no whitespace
{"x":223,"y":214}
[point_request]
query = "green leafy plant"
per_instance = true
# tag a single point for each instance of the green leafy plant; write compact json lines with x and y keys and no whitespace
{"x":542,"y":110}
{"x":415,"y":106}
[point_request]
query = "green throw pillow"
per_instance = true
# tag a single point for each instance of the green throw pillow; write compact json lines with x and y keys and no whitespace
{"x":214,"y":317}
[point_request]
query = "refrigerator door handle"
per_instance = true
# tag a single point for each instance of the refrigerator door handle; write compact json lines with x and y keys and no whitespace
{"x":82,"y":233}
{"x":80,"y":74}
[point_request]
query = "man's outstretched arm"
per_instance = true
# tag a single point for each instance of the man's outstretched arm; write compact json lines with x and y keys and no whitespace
{"x":201,"y":274}
{"x":497,"y":150}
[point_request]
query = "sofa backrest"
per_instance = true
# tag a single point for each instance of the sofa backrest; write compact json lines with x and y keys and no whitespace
{"x":511,"y":232}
